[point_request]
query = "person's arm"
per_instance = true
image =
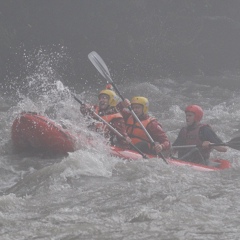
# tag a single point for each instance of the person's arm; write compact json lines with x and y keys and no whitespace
{"x":158,"y":135}
{"x":208,"y":136}
{"x":207,"y":144}
{"x":179,"y":141}
{"x":120,"y":126}
{"x":123,"y":110}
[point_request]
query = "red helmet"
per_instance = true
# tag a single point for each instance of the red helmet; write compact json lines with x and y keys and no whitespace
{"x":197,"y":110}
{"x":109,"y":86}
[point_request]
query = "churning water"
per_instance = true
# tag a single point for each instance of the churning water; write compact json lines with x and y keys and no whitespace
{"x":91,"y":195}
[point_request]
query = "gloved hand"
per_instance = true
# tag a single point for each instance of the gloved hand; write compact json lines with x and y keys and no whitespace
{"x":128,"y":139}
{"x":158,"y":147}
{"x":206,"y":144}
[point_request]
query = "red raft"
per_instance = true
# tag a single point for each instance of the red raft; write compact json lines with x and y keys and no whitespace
{"x":33,"y":132}
{"x":129,"y":154}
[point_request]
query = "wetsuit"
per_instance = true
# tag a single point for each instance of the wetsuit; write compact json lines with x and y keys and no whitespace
{"x":205,"y":133}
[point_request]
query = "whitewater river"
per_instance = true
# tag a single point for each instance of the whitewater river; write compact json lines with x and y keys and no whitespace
{"x":91,"y":195}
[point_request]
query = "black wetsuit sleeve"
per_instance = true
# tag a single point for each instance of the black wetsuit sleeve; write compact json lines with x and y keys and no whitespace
{"x":179,"y":141}
{"x":207,"y":134}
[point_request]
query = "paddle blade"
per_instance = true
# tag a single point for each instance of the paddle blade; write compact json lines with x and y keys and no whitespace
{"x":234,"y":143}
{"x":100,"y":65}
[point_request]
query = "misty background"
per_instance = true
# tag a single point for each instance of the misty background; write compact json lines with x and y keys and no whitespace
{"x":174,"y":52}
{"x":140,"y":40}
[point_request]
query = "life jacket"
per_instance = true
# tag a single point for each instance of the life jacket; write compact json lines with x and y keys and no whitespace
{"x":102,"y":127}
{"x":135,"y":131}
{"x":191,"y":137}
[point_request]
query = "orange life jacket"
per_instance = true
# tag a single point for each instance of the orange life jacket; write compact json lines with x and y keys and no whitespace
{"x":135,"y":131}
{"x":100,"y":126}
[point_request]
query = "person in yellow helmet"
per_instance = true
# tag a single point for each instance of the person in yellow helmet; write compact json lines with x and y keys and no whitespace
{"x":140,"y":106}
{"x":106,"y":109}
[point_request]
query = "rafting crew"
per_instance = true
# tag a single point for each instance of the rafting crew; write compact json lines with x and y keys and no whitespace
{"x":140,"y":106}
{"x":106,"y":109}
{"x":199,"y":134}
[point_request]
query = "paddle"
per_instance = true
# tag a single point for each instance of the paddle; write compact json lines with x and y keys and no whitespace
{"x":233,"y":143}
{"x":111,"y":128}
{"x":100,"y":65}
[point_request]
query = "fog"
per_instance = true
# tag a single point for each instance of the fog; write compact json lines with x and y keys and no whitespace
{"x":139,"y":39}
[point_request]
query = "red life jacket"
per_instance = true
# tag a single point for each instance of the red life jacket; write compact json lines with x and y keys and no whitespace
{"x":135,"y":131}
{"x":192,"y":138}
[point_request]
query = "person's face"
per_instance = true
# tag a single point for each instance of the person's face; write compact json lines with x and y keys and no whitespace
{"x":190,"y":118}
{"x":137,"y":108}
{"x":103,"y":101}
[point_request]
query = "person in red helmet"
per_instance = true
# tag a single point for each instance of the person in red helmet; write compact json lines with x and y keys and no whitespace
{"x":199,"y":134}
{"x":106,"y":109}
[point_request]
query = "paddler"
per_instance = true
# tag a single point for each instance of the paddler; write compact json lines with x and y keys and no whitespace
{"x":140,"y":106}
{"x":106,"y":109}
{"x":199,"y":134}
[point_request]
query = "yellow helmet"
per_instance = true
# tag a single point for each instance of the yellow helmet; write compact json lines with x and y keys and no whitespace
{"x":143,"y":101}
{"x":113,"y":99}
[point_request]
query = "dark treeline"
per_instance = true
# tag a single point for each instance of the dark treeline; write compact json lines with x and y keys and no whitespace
{"x":138,"y":39}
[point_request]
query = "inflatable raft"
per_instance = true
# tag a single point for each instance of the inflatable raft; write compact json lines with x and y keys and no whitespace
{"x":33,"y":132}
{"x":132,"y":155}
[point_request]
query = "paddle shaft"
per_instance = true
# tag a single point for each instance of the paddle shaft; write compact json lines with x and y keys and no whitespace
{"x":193,"y":146}
{"x":100,"y":65}
{"x":233,"y":143}
{"x":111,"y":128}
